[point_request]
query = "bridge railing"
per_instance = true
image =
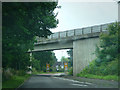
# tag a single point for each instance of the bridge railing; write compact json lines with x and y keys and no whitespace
{"x":75,"y":32}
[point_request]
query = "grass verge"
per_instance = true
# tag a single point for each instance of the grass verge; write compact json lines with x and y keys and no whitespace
{"x":15,"y":81}
{"x":108,"y":77}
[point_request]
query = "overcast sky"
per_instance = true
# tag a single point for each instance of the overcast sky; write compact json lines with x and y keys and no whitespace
{"x":74,"y":15}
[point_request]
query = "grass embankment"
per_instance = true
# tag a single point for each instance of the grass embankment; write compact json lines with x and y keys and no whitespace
{"x":15,"y":81}
{"x":108,"y":71}
{"x":108,"y":77}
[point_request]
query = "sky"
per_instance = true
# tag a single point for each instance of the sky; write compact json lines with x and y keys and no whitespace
{"x":78,"y":14}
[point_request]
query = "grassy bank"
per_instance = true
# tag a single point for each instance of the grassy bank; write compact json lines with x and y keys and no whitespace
{"x":15,"y":81}
{"x":107,"y":77}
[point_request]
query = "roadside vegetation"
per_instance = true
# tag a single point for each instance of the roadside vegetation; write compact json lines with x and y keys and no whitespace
{"x":15,"y":81}
{"x":22,"y":22}
{"x":105,"y":66}
{"x":41,"y":72}
{"x":40,"y":59}
{"x":40,"y":68}
{"x":13,"y":78}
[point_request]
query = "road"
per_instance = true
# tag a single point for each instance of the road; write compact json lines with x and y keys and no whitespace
{"x":42,"y":81}
{"x":53,"y":81}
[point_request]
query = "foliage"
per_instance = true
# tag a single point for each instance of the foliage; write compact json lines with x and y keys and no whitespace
{"x":71,"y":71}
{"x":53,"y":69}
{"x":110,"y":69}
{"x":107,"y":51}
{"x":42,"y":58}
{"x":64,"y":59}
{"x":15,"y":81}
{"x":35,"y":64}
{"x":8,"y":73}
{"x":60,"y":69}
{"x":21,"y":22}
{"x":34,"y":71}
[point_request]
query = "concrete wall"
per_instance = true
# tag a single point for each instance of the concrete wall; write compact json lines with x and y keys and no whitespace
{"x":83,"y":53}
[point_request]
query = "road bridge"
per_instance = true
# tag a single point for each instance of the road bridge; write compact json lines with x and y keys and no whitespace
{"x":83,"y":41}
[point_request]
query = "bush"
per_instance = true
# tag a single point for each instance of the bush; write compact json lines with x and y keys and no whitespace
{"x":34,"y":71}
{"x":110,"y":68}
{"x":61,"y":69}
{"x":71,"y":71}
{"x":6,"y":74}
{"x":54,"y":69}
{"x":44,"y":69}
{"x":20,"y":73}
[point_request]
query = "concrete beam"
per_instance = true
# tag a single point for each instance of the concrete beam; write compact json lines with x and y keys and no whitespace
{"x":53,"y":46}
{"x":67,"y":39}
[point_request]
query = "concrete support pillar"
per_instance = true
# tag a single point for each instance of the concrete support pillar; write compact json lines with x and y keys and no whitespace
{"x":29,"y":72}
{"x":119,"y":11}
{"x":83,"y":53}
{"x":30,"y":56}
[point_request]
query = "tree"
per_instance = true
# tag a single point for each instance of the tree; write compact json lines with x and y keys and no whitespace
{"x":21,"y":22}
{"x":108,"y":48}
{"x":107,"y":52}
{"x":64,"y":59}
{"x":36,"y":64}
{"x":45,"y":57}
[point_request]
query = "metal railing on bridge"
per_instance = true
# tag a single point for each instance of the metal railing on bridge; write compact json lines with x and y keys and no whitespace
{"x":75,"y":32}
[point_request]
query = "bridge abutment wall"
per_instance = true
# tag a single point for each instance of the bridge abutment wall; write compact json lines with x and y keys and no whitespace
{"x":83,"y":53}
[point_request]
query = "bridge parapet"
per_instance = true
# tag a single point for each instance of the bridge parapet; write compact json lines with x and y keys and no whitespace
{"x":75,"y":32}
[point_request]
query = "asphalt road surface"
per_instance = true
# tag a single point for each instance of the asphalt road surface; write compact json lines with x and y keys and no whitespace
{"x":53,"y":81}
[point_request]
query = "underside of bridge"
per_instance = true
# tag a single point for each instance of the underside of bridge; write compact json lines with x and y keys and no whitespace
{"x":54,"y":46}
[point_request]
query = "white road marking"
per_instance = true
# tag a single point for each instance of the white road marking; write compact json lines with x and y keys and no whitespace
{"x":73,"y":81}
{"x":87,"y":83}
{"x":79,"y":85}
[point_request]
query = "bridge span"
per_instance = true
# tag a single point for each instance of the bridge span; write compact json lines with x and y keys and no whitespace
{"x":83,"y":41}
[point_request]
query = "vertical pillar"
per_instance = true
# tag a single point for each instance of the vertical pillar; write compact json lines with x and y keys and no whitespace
{"x":66,"y":33}
{"x":82,"y":31}
{"x":118,"y":11}
{"x":30,"y":56}
{"x":83,"y":53}
{"x":58,"y":35}
{"x":91,"y":29}
{"x":30,"y":61}
{"x":74,"y":32}
{"x":100,"y":28}
{"x":74,"y":60}
{"x":0,"y":45}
